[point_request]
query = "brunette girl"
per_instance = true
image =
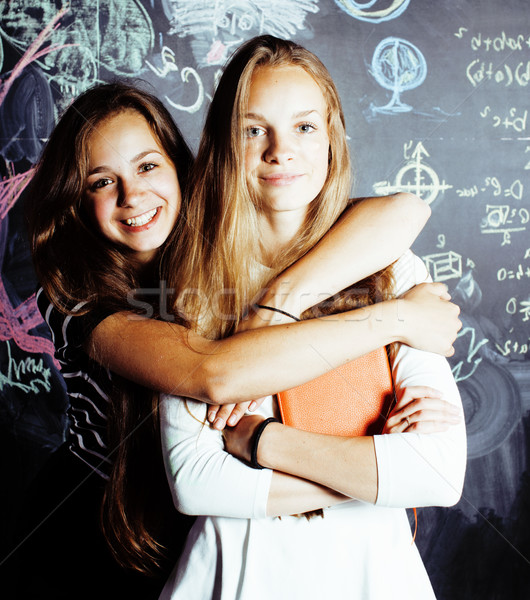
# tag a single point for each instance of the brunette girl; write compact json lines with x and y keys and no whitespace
{"x":275,"y":127}
{"x":105,"y":196}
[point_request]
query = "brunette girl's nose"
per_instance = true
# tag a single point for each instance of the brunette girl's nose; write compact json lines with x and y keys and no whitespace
{"x":131,"y":193}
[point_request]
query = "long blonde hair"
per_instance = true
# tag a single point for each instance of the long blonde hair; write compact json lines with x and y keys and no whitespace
{"x":213,"y":265}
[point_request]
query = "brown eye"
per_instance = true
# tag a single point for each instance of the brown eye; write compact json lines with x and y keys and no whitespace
{"x":147,"y":167}
{"x":100,"y":183}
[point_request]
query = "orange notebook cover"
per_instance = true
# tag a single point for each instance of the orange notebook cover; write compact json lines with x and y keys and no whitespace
{"x":352,"y":400}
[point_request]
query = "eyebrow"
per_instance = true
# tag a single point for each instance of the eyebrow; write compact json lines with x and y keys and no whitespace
{"x":300,"y":115}
{"x":134,"y":159}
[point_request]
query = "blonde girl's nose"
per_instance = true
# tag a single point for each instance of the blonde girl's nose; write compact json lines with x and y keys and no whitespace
{"x":280,"y":148}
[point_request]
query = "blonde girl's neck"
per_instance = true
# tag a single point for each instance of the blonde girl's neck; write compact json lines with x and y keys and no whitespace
{"x":278,"y":231}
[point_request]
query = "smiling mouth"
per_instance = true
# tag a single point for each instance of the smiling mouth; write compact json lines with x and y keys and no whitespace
{"x":141,"y":219}
{"x":281,"y":179}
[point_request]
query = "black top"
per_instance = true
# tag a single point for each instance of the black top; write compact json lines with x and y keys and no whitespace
{"x":88,"y":383}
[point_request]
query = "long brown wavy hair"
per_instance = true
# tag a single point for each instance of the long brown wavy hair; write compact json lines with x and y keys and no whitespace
{"x":75,"y":263}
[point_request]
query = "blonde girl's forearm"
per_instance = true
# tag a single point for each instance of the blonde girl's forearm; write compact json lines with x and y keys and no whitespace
{"x":347,"y":465}
{"x":290,"y":495}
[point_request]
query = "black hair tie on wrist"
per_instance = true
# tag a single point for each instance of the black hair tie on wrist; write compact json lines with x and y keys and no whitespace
{"x":257,"y":435}
{"x":278,"y":310}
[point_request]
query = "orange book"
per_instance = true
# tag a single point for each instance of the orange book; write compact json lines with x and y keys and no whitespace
{"x":352,"y":400}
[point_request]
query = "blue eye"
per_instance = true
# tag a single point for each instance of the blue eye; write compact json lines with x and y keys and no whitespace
{"x":306,"y":128}
{"x":252,"y":132}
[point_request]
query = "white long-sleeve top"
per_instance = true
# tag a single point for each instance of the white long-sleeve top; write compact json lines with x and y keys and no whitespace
{"x":358,"y":550}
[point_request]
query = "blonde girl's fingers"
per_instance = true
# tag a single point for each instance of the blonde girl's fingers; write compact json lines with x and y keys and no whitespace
{"x":423,"y":409}
{"x":412,"y":393}
{"x":429,"y":406}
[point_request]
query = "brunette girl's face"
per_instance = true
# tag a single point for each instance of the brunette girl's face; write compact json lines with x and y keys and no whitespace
{"x":132,"y":192}
{"x":287,"y":143}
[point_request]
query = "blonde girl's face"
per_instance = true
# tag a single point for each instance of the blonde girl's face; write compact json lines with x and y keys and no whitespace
{"x":132,"y":193}
{"x":286,"y":138}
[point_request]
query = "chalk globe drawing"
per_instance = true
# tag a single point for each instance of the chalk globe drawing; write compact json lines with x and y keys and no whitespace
{"x":398,"y":66}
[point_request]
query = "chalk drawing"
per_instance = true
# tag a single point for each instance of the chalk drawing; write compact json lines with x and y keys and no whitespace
{"x":373,"y":10}
{"x":216,"y":28}
{"x":27,"y":375}
{"x":16,"y":322}
{"x":444,"y":265}
{"x":504,"y":219}
{"x":416,"y":177}
{"x":169,"y":66}
{"x":117,"y":36}
{"x":33,"y":52}
{"x":465,"y":368}
{"x":398,"y":66}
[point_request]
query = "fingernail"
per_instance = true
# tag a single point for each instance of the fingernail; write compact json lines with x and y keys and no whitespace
{"x":218,"y":423}
{"x":231,"y":420}
{"x":252,"y":406}
{"x":211,"y":417}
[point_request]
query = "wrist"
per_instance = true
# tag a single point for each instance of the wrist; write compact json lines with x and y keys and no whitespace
{"x":385,"y":322}
{"x":264,"y":450}
{"x":257,"y":438}
{"x":398,"y":323}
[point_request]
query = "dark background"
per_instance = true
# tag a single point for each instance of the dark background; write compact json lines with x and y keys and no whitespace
{"x":436,"y":96}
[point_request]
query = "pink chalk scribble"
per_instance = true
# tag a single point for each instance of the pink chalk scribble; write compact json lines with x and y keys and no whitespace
{"x":216,"y":53}
{"x":33,"y":53}
{"x":15,"y":323}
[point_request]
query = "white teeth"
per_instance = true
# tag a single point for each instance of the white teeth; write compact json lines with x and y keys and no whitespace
{"x":142,"y":219}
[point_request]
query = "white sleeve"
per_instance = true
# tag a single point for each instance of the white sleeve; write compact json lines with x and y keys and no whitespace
{"x":421,"y":469}
{"x":204,"y":479}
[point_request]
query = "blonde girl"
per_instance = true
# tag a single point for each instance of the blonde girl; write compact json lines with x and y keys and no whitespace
{"x":276,"y":129}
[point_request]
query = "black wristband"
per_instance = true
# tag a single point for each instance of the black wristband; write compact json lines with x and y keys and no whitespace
{"x":257,"y":435}
{"x":278,"y":310}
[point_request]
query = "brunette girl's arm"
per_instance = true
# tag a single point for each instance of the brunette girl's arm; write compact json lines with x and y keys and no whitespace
{"x":168,"y":358}
{"x":370,"y":235}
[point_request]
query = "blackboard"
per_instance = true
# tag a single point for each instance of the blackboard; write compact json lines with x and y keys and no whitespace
{"x":436,"y":102}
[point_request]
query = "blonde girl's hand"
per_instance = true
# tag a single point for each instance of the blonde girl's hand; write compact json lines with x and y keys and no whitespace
{"x":238,"y":439}
{"x":230,"y":414}
{"x":421,"y":409}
